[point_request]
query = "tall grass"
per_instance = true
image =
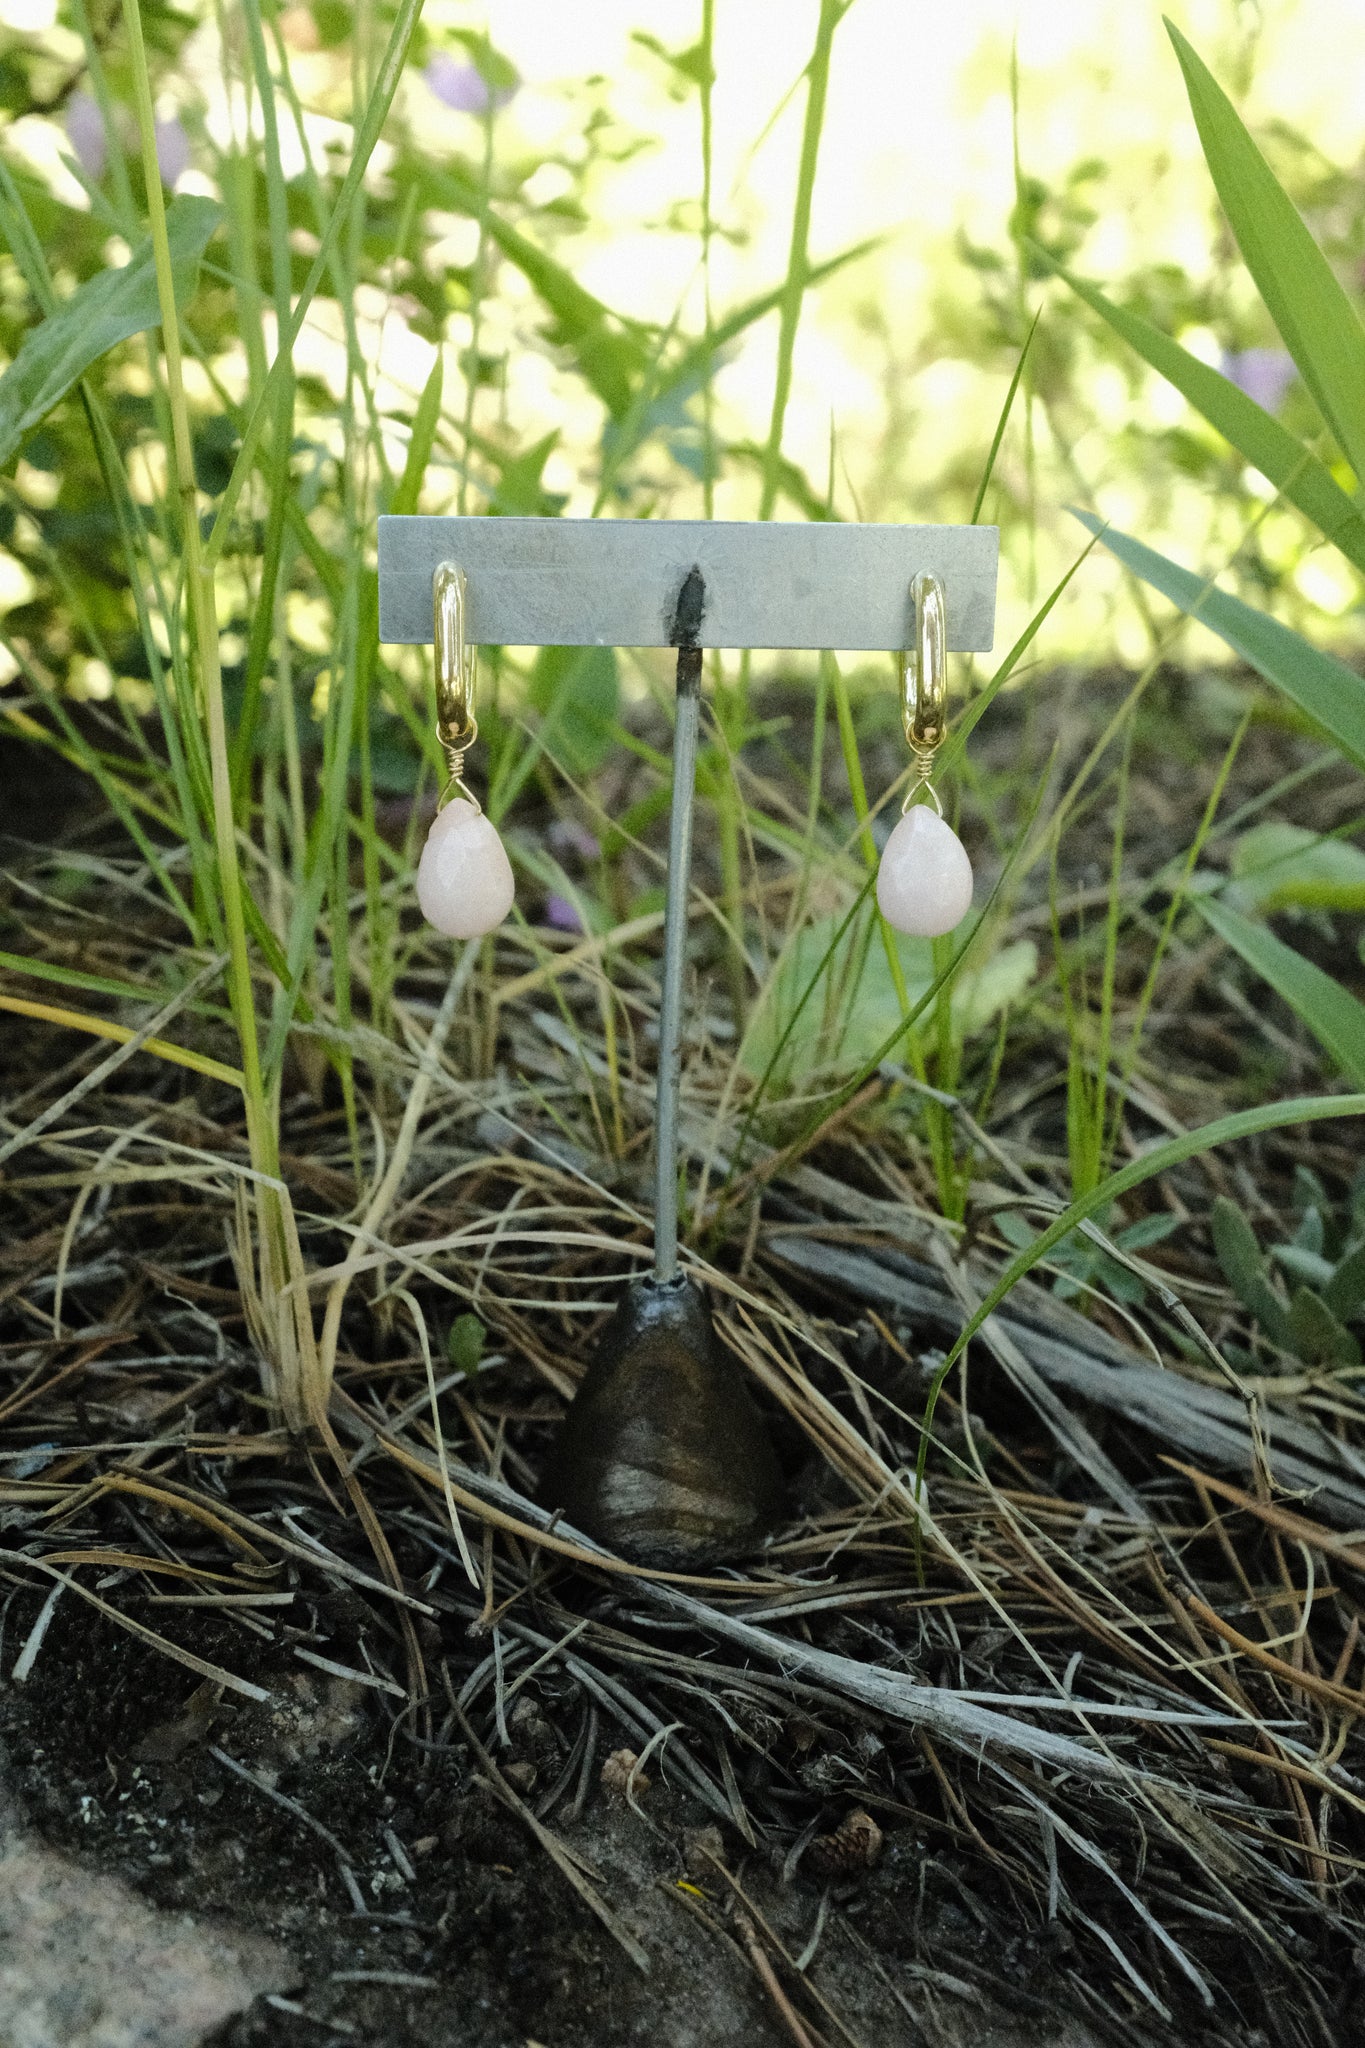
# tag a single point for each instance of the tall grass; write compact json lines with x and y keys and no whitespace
{"x":258,"y":814}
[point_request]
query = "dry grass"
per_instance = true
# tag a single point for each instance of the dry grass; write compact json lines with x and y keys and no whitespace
{"x":1108,"y":1667}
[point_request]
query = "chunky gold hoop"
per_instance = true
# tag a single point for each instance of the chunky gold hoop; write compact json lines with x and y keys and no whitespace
{"x":456,"y":678}
{"x":924,"y":684}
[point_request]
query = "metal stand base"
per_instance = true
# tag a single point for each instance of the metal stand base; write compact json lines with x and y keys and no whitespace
{"x":663,"y":1457}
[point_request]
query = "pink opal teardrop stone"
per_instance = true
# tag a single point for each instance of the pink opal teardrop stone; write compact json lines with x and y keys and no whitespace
{"x":464,"y":878}
{"x":924,"y":883}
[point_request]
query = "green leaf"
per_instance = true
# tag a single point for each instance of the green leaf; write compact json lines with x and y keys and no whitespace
{"x":1239,"y":1255}
{"x":616,"y":357}
{"x":1316,"y":320}
{"x":1315,"y":1335}
{"x":99,"y":314}
{"x":1147,"y":1230}
{"x":424,"y":424}
{"x":846,"y":1020}
{"x":465,"y":1344}
{"x":75,"y":977}
{"x":1333,"y":1015}
{"x":1243,"y":1123}
{"x":1308,"y":1267}
{"x":693,"y":64}
{"x":610,"y":354}
{"x":1279,"y":866}
{"x":1266,"y":445}
{"x":1345,"y":1291}
{"x":520,"y":489}
{"x":693,"y":365}
{"x":1332,"y":694}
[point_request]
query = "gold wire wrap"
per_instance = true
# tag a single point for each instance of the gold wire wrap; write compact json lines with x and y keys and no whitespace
{"x":456,"y":677}
{"x":924,"y":685}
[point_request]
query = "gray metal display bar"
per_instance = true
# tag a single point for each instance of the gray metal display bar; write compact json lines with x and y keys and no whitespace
{"x":615,"y":582}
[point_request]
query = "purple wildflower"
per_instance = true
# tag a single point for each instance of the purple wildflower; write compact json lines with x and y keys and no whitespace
{"x":561,"y":916}
{"x":462,"y":86}
{"x":85,"y":133}
{"x":172,"y":151}
{"x":1264,"y":374}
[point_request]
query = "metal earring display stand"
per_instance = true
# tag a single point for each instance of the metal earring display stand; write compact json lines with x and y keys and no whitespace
{"x":687,"y":625}
{"x":663,"y":1456}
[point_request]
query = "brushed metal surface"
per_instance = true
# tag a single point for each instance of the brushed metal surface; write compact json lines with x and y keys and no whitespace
{"x":615,"y":582}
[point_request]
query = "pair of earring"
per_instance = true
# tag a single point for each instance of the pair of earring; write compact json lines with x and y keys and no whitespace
{"x":465,"y":885}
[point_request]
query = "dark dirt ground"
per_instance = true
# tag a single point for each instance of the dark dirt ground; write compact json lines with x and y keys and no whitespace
{"x":479,"y":1942}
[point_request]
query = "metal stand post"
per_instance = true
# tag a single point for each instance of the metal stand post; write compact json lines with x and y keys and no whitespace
{"x":686,"y":627}
{"x":663,"y":1454}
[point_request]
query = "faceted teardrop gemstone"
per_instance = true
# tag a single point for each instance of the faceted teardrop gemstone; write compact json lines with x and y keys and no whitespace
{"x":924,"y":883}
{"x":464,"y":878}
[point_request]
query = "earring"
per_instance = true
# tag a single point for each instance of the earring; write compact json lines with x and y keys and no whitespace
{"x":464,"y":878}
{"x":924,"y":882}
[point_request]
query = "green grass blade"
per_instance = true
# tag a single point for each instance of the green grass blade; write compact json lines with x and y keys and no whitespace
{"x":1332,"y":694}
{"x":794,"y":290}
{"x":76,"y":977}
{"x":1253,"y":432}
{"x":814,"y":981}
{"x":956,"y":742}
{"x":107,"y":309}
{"x":1316,"y":320}
{"x":277,"y":463}
{"x":385,"y":85}
{"x":1335,"y":1017}
{"x":1245,"y":1123}
{"x":1004,"y":419}
{"x":424,"y":424}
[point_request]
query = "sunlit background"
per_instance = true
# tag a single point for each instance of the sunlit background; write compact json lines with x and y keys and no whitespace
{"x":947,"y":129}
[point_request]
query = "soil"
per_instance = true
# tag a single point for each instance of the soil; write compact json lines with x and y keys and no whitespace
{"x":470,"y":1936}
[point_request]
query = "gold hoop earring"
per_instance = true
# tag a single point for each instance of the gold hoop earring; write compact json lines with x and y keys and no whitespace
{"x":465,"y":885}
{"x":924,"y":881}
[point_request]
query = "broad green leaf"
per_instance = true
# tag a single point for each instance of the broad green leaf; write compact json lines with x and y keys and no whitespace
{"x":844,"y":1023}
{"x":1333,"y":1015}
{"x":1345,"y":1291}
{"x":99,"y":314}
{"x":1315,"y":1335}
{"x":1254,"y":433}
{"x":1332,"y":694}
{"x":1278,"y":866}
{"x":1243,"y":1266}
{"x":1316,"y":320}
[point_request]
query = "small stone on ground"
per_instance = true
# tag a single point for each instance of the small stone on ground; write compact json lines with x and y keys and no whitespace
{"x":86,"y":1963}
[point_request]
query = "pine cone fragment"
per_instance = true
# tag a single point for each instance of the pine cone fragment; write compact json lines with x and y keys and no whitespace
{"x":853,"y":1847}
